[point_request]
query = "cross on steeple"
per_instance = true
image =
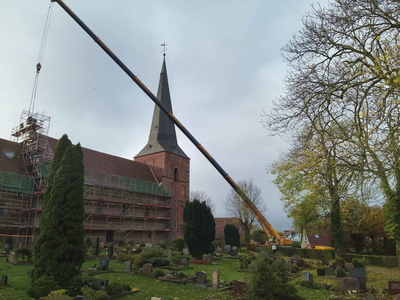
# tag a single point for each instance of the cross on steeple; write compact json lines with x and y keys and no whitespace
{"x":165,"y":49}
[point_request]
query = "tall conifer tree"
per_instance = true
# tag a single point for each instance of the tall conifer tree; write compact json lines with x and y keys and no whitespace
{"x":198,"y":228}
{"x":60,"y":249}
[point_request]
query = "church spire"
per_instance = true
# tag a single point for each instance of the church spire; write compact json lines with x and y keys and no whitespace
{"x":162,"y":132}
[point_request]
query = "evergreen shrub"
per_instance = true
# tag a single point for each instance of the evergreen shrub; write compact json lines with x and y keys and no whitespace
{"x":42,"y":286}
{"x":147,"y":253}
{"x":117,"y":288}
{"x":178,"y":244}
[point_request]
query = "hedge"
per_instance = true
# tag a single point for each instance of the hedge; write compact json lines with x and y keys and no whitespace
{"x":373,"y":260}
{"x":290,"y":251}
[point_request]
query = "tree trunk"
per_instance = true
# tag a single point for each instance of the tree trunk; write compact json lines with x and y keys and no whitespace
{"x":398,"y":252}
{"x":247,"y":234}
{"x":336,"y":227}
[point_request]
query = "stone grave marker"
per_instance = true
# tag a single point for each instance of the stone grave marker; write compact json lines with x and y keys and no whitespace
{"x":215,"y":279}
{"x":228,"y":248}
{"x":169,"y":254}
{"x":394,"y":287}
{"x":207,"y":257}
{"x":4,"y":279}
{"x":397,"y":297}
{"x":330,"y":271}
{"x":186,"y":251}
{"x":308,"y":276}
{"x":6,"y":248}
{"x":99,"y":284}
{"x":12,"y":258}
{"x":234,"y":248}
{"x":104,"y":264}
{"x":349,"y":284}
{"x":239,"y":287}
{"x":185,"y":262}
{"x":147,"y":269}
{"x":357,"y":272}
{"x":127,"y":266}
{"x":148,"y":245}
{"x":201,"y":277}
{"x":363,"y":283}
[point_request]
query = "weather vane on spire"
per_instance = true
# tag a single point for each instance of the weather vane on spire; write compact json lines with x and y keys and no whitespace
{"x":165,"y":49}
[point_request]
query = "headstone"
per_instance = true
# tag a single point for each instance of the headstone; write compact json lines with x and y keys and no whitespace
{"x":6,"y":248}
{"x":215,"y":279}
{"x":397,"y":297}
{"x":4,"y":279}
{"x":149,"y":245}
{"x":99,"y":284}
{"x":363,"y":283}
{"x":201,"y":277}
{"x":239,"y":287}
{"x":12,"y":258}
{"x":348,"y":267}
{"x":357,"y":272}
{"x":308,"y":276}
{"x":169,"y":254}
{"x":169,"y":276}
{"x":228,"y":248}
{"x":127,"y":266}
{"x":186,"y":251}
{"x":349,"y":284}
{"x":394,"y":287}
{"x":155,"y":298}
{"x":219,"y":249}
{"x":207,"y":257}
{"x":104,"y":264}
{"x":330,"y":271}
{"x":325,"y":261}
{"x":234,"y":248}
{"x":147,"y":269}
{"x":185,"y":262}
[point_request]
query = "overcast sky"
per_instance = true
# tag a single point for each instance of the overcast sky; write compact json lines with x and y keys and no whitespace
{"x":224,"y":67}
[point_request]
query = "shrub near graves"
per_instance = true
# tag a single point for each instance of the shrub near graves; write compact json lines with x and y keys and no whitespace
{"x":146,"y":254}
{"x":178,"y":244}
{"x":42,"y":286}
{"x":117,"y":288}
{"x":23,"y":252}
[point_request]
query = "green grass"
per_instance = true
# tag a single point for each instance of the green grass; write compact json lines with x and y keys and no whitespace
{"x":18,"y":281}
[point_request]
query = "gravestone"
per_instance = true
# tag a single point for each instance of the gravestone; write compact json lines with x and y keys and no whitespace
{"x":228,"y":248}
{"x":215,"y":279}
{"x":4,"y":279}
{"x":349,"y":284}
{"x":234,"y":248}
{"x":127,"y":266}
{"x":12,"y":258}
{"x":308,"y":276}
{"x":7,"y":248}
{"x":207,"y":257}
{"x":155,"y":298}
{"x":239,"y":287}
{"x":186,"y":251}
{"x":394,"y":287}
{"x":147,"y":269}
{"x":201,"y":277}
{"x":148,"y":245}
{"x":169,"y":254}
{"x":185,"y":262}
{"x":357,"y":272}
{"x":330,"y":271}
{"x":397,"y":297}
{"x":363,"y":283}
{"x":104,"y":264}
{"x":99,"y":284}
{"x":219,"y":249}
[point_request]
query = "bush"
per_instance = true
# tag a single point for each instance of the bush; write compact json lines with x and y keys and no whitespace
{"x":270,"y":280}
{"x":74,"y":285}
{"x":117,"y":288}
{"x":58,"y":294}
{"x":125,"y":257}
{"x":42,"y":287}
{"x":157,"y":273}
{"x":147,"y":253}
{"x":340,"y":272}
{"x":358,"y":263}
{"x":374,"y":260}
{"x":178,"y":244}
{"x":158,"y":261}
{"x":163,"y":244}
{"x":88,"y":292}
{"x":88,"y":242}
{"x":100,"y":295}
{"x":23,"y":252}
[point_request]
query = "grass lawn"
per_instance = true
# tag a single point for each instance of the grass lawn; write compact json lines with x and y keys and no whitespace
{"x":18,"y":281}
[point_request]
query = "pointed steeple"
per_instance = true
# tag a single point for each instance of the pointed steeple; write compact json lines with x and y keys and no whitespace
{"x":162,"y":132}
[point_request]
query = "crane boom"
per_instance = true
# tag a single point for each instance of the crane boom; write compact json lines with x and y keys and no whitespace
{"x":268,"y":229}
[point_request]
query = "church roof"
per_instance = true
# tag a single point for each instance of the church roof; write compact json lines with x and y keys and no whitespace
{"x":95,"y":162}
{"x":162,"y":132}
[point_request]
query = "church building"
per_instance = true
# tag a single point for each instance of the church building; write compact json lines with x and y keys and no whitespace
{"x":139,"y":200}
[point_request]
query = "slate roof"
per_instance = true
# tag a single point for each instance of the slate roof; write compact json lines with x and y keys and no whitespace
{"x":162,"y":132}
{"x":220,"y":225}
{"x":319,"y":237}
{"x":94,"y":162}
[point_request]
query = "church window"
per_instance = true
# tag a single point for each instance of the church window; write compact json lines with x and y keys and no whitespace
{"x":176,"y":175}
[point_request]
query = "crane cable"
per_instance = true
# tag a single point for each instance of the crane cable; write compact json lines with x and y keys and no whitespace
{"x":40,"y":58}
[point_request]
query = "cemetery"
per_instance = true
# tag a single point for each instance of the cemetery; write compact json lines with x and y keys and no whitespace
{"x":153,"y":272}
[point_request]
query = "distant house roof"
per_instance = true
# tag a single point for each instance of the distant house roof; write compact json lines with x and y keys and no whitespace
{"x":94,"y":162}
{"x":319,"y":237}
{"x":220,"y":225}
